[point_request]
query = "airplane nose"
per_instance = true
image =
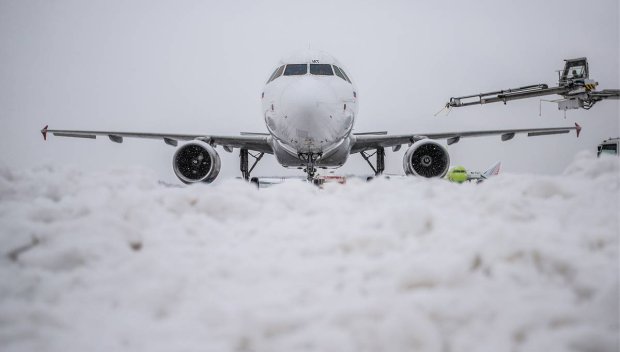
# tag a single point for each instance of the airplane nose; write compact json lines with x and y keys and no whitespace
{"x":311,"y":108}
{"x":308,"y":95}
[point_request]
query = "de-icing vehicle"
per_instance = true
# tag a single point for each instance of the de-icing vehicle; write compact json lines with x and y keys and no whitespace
{"x":575,"y":86}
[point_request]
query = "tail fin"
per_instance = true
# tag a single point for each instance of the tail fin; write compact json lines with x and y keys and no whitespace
{"x":493,"y":170}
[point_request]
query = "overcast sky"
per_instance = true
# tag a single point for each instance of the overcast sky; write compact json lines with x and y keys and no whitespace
{"x":199,"y":67}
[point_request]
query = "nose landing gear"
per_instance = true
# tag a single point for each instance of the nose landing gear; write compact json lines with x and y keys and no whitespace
{"x":310,"y":160}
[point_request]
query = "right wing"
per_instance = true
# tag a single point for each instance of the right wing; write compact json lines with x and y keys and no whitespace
{"x":255,"y":142}
{"x":366,"y":142}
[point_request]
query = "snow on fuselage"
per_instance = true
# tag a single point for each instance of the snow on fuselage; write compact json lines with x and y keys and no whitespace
{"x":309,"y":105}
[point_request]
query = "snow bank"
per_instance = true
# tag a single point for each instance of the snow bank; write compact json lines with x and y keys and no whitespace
{"x":116,"y":261}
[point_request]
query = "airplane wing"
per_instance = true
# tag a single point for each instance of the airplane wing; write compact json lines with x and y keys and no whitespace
{"x":255,"y":142}
{"x":366,"y":142}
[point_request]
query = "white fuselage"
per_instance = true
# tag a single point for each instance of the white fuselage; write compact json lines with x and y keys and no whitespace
{"x":310,"y":110}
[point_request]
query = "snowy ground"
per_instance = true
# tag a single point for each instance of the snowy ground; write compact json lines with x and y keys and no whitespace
{"x":115,"y":261}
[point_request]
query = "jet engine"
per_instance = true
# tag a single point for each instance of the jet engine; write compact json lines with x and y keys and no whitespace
{"x":426,"y":158}
{"x":196,"y":161}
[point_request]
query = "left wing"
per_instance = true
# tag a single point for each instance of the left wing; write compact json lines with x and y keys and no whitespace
{"x":366,"y":142}
{"x":255,"y":142}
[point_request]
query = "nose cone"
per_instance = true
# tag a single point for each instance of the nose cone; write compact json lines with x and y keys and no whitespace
{"x":315,"y":117}
{"x":308,"y":93}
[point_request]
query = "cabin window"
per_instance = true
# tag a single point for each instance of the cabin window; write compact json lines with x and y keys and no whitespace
{"x":296,"y":69}
{"x":340,"y":73}
{"x":321,"y":69}
{"x":576,"y":72}
{"x":575,"y":69}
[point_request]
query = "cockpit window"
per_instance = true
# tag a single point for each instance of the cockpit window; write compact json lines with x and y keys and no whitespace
{"x":273,"y":75}
{"x":321,"y":69}
{"x":345,"y":75}
{"x":296,"y":69}
{"x":340,"y":73}
{"x":277,"y":73}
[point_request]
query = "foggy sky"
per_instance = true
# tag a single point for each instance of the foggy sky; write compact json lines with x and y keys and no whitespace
{"x":200,"y":66}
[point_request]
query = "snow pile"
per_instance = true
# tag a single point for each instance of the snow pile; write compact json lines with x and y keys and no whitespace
{"x":116,"y":261}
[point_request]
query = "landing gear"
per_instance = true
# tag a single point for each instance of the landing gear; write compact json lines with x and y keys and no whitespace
{"x":244,"y":155}
{"x":379,"y":166}
{"x":310,"y":160}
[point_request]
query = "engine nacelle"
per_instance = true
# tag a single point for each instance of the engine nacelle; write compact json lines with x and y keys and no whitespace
{"x":196,"y":161}
{"x":426,"y":158}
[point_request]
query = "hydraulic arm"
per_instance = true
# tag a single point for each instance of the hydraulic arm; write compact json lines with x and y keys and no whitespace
{"x":574,"y":85}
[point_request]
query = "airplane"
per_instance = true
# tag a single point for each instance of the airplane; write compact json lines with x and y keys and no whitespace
{"x":459,"y":174}
{"x":309,"y":105}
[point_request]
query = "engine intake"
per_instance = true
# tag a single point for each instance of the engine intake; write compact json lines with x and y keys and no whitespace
{"x":196,"y":161}
{"x":426,"y":158}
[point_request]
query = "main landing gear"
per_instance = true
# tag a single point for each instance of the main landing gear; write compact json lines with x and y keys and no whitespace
{"x":379,"y":166}
{"x":244,"y":155}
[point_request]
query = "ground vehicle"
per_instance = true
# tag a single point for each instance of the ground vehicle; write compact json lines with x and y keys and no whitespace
{"x":608,"y":146}
{"x":574,"y":85}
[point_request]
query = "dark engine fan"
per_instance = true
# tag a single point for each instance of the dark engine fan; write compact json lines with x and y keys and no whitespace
{"x":426,"y":158}
{"x":196,"y":161}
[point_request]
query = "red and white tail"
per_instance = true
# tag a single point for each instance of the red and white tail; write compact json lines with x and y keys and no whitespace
{"x":493,"y":170}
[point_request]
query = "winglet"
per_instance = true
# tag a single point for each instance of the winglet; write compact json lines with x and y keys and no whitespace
{"x":578,"y":129}
{"x":44,"y":132}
